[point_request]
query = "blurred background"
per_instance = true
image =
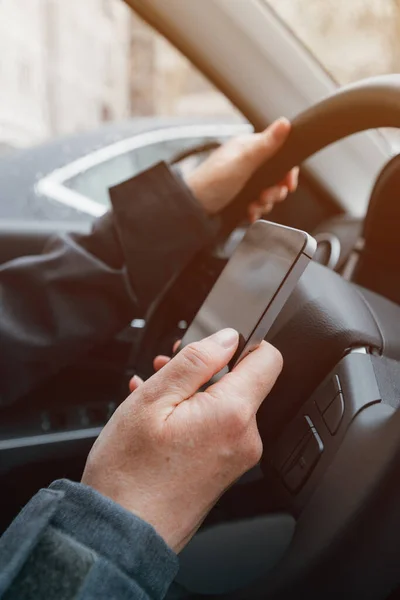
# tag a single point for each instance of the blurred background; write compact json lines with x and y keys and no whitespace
{"x":67,"y":67}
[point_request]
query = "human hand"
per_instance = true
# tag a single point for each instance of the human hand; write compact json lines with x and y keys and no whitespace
{"x":170,"y":451}
{"x":224,"y":174}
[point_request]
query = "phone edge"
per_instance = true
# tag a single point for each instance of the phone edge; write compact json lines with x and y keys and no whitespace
{"x":281,"y":297}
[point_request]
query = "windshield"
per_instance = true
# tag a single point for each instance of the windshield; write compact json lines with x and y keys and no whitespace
{"x":351,"y":39}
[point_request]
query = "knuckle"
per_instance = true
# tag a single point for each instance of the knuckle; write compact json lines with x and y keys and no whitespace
{"x":245,"y":452}
{"x":238,"y":421}
{"x":196,"y":356}
{"x":147,"y":392}
{"x":144,"y":395}
{"x":253,"y":451}
{"x":274,"y":194}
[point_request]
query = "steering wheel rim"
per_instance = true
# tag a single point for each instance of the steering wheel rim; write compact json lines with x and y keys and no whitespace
{"x":367,"y":104}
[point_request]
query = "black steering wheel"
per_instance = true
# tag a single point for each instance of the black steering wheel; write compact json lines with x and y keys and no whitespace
{"x":367,"y":104}
{"x":339,"y":342}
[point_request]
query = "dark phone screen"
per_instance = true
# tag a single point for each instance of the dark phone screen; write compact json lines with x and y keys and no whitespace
{"x":249,"y":282}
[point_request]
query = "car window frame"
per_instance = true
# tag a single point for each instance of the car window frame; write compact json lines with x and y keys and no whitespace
{"x":53,"y":185}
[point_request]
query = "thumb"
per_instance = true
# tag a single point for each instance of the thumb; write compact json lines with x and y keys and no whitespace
{"x":251,"y":380}
{"x":194,"y":366}
{"x":266,"y":144}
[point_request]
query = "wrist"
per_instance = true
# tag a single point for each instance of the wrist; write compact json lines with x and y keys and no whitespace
{"x":168,"y":516}
{"x":196,"y":187}
{"x":172,"y":524}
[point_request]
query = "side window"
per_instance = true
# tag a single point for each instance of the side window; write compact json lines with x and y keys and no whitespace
{"x":106,"y":75}
{"x":95,"y":181}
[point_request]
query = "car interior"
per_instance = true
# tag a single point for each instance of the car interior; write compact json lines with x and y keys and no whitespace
{"x":319,"y":516}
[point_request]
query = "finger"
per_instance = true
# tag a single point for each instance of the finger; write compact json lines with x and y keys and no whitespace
{"x":274,"y":194}
{"x":266,"y":202}
{"x":258,"y":211}
{"x":266,"y":209}
{"x":192,"y":367}
{"x":160,"y":361}
{"x":252,"y":379}
{"x":268,"y":142}
{"x":135,"y":382}
{"x":254,"y":212}
{"x":292,"y":179}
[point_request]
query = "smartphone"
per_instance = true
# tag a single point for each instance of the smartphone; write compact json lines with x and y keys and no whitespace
{"x":254,"y":285}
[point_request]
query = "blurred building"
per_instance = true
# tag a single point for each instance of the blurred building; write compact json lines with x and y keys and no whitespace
{"x":353,"y":39}
{"x":68,"y":65}
{"x":64,"y":66}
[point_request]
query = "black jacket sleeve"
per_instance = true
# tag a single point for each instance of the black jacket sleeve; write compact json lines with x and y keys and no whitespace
{"x":72,"y":543}
{"x":83,"y":289}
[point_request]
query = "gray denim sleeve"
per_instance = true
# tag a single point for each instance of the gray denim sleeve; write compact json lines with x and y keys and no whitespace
{"x":72,"y":542}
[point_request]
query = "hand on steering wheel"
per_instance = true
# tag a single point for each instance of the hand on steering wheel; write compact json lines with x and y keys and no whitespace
{"x":225,"y":173}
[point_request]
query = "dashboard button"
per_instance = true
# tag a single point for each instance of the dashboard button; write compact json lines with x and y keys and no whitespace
{"x":295,"y":477}
{"x":327,"y":393}
{"x":333,"y":415}
{"x":298,"y":470}
{"x":291,"y":441}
